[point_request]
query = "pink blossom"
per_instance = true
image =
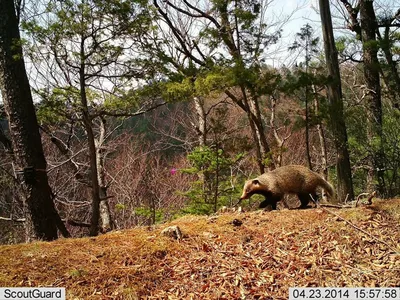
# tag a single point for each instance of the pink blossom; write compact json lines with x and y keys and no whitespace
{"x":173,"y":171}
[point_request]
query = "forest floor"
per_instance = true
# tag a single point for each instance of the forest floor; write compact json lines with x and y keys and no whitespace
{"x":252,"y":255}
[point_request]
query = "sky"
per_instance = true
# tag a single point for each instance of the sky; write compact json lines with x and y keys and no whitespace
{"x":301,"y":12}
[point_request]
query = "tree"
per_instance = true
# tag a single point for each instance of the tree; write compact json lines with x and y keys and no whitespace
{"x":215,"y":163}
{"x":85,"y":54}
{"x":42,"y":219}
{"x":368,"y":23}
{"x":373,"y":94}
{"x":307,"y":43}
{"x":336,"y":117}
{"x":363,"y":21}
{"x":387,"y":42}
{"x":222,"y":44}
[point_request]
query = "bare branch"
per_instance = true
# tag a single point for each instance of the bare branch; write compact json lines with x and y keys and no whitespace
{"x":177,"y":35}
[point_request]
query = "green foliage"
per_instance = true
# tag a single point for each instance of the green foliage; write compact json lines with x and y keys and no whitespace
{"x":391,"y":150}
{"x":222,"y":62}
{"x":60,"y":104}
{"x":214,"y":188}
{"x":395,"y":43}
{"x":348,"y":47}
{"x":179,"y":91}
{"x":124,"y":102}
{"x":86,"y":44}
{"x":57,"y":105}
{"x":119,"y":206}
{"x":213,"y":81}
{"x":196,"y":205}
{"x":341,"y":44}
{"x":77,"y":273}
{"x":361,"y":148}
{"x":372,"y":45}
{"x":156,"y":214}
{"x":305,"y":41}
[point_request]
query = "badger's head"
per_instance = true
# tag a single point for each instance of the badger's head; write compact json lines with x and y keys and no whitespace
{"x":250,"y":188}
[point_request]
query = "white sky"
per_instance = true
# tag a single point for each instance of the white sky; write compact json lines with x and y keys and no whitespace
{"x":304,"y":11}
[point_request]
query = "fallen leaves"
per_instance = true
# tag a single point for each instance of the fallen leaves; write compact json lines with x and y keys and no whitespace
{"x":260,"y":259}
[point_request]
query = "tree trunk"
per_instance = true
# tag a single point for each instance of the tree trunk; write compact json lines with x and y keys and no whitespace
{"x":41,"y":215}
{"x":201,"y":127}
{"x":106,"y":222}
{"x":94,"y":222}
{"x":392,"y":80}
{"x":256,"y":139}
{"x":87,"y":122}
{"x":336,"y":120}
{"x":265,"y":160}
{"x":252,"y":110}
{"x":321,"y":134}
{"x":280,"y":141}
{"x":307,"y":132}
{"x":373,"y":95}
{"x":5,"y":141}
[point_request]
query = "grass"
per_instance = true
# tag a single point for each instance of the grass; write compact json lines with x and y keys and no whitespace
{"x":261,"y":259}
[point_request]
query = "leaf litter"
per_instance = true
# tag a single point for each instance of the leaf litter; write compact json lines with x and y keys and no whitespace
{"x":253,"y":255}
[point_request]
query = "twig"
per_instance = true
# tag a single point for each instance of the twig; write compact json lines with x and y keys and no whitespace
{"x":335,"y":206}
{"x":237,"y":203}
{"x":369,"y":199}
{"x":347,"y":197}
{"x":13,"y":220}
{"x":354,"y":226}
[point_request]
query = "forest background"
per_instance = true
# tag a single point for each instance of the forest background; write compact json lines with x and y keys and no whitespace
{"x":151,"y":110}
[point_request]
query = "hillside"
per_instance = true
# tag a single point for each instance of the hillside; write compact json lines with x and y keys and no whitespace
{"x":218,"y":258}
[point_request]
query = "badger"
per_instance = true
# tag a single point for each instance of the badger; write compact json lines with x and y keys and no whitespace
{"x":291,"y":179}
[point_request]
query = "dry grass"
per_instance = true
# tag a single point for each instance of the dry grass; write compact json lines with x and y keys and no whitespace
{"x":261,"y":259}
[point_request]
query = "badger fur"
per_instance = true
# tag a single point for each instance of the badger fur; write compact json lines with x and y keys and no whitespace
{"x":291,"y":179}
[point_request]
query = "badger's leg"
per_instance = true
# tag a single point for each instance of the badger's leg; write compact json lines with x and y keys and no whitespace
{"x":304,"y":199}
{"x":270,"y":202}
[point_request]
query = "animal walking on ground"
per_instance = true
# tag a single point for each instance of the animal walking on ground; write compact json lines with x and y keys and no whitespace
{"x":291,"y":179}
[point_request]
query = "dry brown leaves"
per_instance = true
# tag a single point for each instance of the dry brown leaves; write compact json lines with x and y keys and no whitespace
{"x":259,"y":259}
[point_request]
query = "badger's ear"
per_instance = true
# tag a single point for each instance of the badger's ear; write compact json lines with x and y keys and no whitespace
{"x":255,"y":182}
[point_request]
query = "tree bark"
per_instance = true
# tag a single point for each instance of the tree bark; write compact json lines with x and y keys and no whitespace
{"x":336,"y":119}
{"x":87,"y":122}
{"x":106,"y":221}
{"x":251,"y":108}
{"x":201,"y":127}
{"x":373,"y":95}
{"x":280,"y":141}
{"x":392,"y":80}
{"x":5,"y":140}
{"x":265,"y":160}
{"x":307,"y":131}
{"x":41,"y":215}
{"x":321,"y":135}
